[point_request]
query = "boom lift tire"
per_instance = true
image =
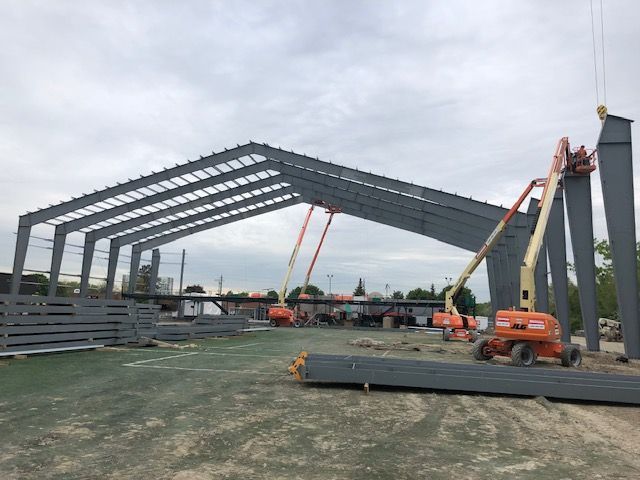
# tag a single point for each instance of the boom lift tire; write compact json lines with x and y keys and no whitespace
{"x":273,"y":322}
{"x":297,"y":323}
{"x":571,"y":356}
{"x":478,"y":349}
{"x":522,"y":355}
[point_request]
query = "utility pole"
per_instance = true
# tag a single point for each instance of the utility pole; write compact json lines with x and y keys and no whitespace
{"x":220,"y":286}
{"x":330,"y":277}
{"x":180,"y":302}
{"x":181,"y":272}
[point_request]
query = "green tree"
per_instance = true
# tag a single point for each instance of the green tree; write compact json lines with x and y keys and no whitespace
{"x":272,"y":294}
{"x":483,"y":309}
{"x":398,"y":295}
{"x":359,"y":291}
{"x":311,"y":290}
{"x":42,"y":283}
{"x":144,"y":277}
{"x":194,"y":289}
{"x":418,"y":294}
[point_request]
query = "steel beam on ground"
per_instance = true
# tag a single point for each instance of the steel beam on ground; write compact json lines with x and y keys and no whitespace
{"x":616,"y":177}
{"x":568,"y":384}
{"x":557,"y":252}
{"x":578,"y":199}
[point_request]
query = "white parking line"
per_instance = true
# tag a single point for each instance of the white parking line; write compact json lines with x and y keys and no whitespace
{"x":133,"y":364}
{"x":241,"y":346}
{"x":253,"y":372}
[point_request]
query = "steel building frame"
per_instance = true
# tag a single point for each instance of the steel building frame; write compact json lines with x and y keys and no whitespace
{"x":253,"y":179}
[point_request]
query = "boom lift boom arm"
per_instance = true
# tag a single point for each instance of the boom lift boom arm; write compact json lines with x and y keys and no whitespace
{"x":527,"y":279}
{"x":487,"y":246}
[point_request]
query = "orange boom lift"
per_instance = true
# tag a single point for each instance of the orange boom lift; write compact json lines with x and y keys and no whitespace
{"x":279,"y":315}
{"x":463,"y":327}
{"x":525,"y":334}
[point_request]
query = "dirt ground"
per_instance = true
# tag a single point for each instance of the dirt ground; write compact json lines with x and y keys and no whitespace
{"x":227,"y":409}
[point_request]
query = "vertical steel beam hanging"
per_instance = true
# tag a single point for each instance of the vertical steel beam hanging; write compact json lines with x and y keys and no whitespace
{"x":59,"y":240}
{"x":578,"y":199}
{"x":136,"y":253}
{"x":87,"y":258}
{"x":557,"y":252}
{"x":616,"y":177}
{"x":22,"y":243}
{"x":114,"y":253}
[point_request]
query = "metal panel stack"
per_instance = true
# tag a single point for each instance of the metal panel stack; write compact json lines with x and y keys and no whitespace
{"x":203,"y":326}
{"x":148,"y":315}
{"x":37,"y":324}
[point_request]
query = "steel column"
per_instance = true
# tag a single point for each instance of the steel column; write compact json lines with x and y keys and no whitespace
{"x":114,"y":253}
{"x":87,"y":259}
{"x":578,"y":199}
{"x":542,"y":281}
{"x":616,"y":177}
{"x":136,"y":253}
{"x":22,"y":244}
{"x":155,"y":266}
{"x":557,"y":252}
{"x":56,"y":261}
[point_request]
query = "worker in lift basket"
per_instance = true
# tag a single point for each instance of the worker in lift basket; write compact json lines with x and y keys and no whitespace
{"x":581,"y":156}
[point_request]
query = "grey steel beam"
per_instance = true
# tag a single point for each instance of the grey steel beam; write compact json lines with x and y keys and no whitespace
{"x":616,"y":177}
{"x":119,"y":227}
{"x":155,"y":267}
{"x":88,"y":220}
{"x":56,"y":261}
{"x":542,"y":281}
{"x":557,"y":252}
{"x":443,"y":198}
{"x":578,"y":199}
{"x":330,"y":184}
{"x":163,"y":240}
{"x":144,"y":181}
{"x":22,"y":244}
{"x":87,"y":260}
{"x":493,"y":294}
{"x":505,"y":380}
{"x":114,"y":253}
{"x":133,"y":270}
{"x":206,"y":215}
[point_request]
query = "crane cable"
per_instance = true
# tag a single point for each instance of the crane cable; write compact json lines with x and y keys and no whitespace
{"x":601,"y":107}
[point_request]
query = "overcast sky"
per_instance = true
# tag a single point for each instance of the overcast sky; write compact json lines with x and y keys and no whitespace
{"x":466,"y":96}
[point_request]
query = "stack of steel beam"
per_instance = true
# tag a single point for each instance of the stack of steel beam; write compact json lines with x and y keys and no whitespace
{"x":554,"y":383}
{"x":203,"y":327}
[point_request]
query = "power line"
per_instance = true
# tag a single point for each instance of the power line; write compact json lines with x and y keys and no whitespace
{"x":604,"y":68}
{"x":595,"y":58}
